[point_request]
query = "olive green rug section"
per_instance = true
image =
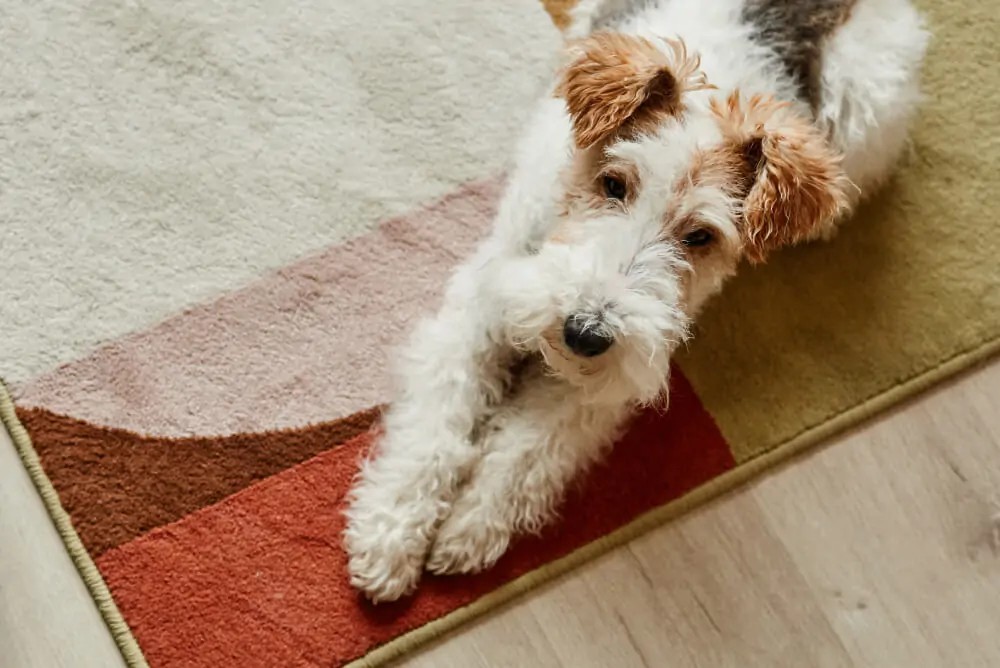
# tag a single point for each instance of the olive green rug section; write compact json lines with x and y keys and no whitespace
{"x":911,"y":284}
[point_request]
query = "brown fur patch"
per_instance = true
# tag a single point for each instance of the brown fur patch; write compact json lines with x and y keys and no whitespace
{"x":722,"y":167}
{"x":583,"y":188}
{"x":725,"y":167}
{"x":797,"y":187}
{"x":560,"y":10}
{"x":625,"y":83}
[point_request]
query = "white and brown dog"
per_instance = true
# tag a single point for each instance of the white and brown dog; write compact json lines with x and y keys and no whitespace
{"x":681,"y":137}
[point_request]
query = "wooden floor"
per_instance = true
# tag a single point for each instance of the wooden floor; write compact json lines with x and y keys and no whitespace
{"x":881,"y":549}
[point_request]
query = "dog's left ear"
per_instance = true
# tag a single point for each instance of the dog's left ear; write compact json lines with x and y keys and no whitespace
{"x":616,"y":82}
{"x":793,"y":184}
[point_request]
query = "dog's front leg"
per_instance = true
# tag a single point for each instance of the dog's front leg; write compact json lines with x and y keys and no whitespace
{"x":450,"y":372}
{"x":535,"y":444}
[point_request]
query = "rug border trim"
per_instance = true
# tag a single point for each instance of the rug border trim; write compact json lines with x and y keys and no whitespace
{"x":85,"y":565}
{"x":740,"y":474}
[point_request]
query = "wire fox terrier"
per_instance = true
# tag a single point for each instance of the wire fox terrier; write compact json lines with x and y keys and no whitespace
{"x":679,"y":138}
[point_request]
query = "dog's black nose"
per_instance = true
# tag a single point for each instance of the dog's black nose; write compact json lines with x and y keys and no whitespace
{"x":585,"y":337}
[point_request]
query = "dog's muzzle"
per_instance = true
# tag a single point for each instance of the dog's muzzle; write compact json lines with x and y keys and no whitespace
{"x":586,"y":336}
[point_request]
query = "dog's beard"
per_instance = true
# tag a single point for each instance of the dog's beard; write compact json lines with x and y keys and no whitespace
{"x":629,"y":372}
{"x":629,"y":285}
{"x":636,"y":367}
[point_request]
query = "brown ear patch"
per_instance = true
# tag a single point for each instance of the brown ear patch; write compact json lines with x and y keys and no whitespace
{"x":797,"y":188}
{"x":618,"y":82}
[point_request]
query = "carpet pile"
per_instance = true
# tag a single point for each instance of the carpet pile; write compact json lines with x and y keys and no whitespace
{"x":218,"y":217}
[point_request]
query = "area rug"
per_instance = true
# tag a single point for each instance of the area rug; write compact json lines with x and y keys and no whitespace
{"x":216,"y":218}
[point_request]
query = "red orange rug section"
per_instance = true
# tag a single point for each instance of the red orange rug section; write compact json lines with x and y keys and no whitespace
{"x":259,"y":578}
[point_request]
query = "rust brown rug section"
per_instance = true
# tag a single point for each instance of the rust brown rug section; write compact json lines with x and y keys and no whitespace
{"x":117,"y":485}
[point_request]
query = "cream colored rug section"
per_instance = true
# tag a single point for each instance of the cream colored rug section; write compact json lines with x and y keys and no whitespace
{"x":913,"y":283}
{"x":155,"y":154}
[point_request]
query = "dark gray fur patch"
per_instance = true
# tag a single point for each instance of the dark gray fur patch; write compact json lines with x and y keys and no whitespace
{"x":795,"y":30}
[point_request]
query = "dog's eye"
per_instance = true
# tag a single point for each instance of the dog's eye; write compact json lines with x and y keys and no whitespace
{"x":614,"y":187}
{"x":698,"y":238}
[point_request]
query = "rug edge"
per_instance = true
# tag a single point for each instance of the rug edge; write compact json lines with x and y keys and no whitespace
{"x":85,"y":566}
{"x":708,"y":491}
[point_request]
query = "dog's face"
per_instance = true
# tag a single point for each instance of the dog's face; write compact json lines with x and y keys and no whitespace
{"x":670,"y":185}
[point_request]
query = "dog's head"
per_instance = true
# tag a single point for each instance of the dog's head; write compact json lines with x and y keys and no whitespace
{"x":670,"y":185}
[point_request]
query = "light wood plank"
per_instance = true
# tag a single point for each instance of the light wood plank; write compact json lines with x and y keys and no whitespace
{"x":893,"y":529}
{"x":47,"y":617}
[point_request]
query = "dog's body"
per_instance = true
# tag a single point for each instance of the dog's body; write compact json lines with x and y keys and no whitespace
{"x":639,"y":187}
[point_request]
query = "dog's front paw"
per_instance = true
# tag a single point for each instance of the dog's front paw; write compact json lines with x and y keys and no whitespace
{"x":385,"y":553}
{"x":385,"y":570}
{"x":469,"y":541}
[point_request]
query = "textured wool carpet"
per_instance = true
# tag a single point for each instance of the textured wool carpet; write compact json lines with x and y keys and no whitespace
{"x":216,"y":217}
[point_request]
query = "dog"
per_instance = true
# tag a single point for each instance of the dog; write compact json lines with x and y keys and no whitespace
{"x":678,"y":139}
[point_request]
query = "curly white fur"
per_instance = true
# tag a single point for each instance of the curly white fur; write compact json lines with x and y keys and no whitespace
{"x":495,"y":414}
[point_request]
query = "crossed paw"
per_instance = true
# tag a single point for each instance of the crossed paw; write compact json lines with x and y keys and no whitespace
{"x":468,"y":541}
{"x":388,"y":564}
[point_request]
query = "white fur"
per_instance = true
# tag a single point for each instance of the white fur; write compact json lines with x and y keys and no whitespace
{"x":871,"y":87}
{"x":478,"y":449}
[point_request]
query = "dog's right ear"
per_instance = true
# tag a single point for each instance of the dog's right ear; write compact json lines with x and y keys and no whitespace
{"x":617,"y":83}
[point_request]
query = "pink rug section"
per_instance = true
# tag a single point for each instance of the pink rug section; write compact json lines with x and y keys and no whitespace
{"x":305,"y":344}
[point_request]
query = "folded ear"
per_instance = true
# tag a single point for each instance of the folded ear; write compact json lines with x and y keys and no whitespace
{"x":795,"y":188}
{"x":616,"y":82}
